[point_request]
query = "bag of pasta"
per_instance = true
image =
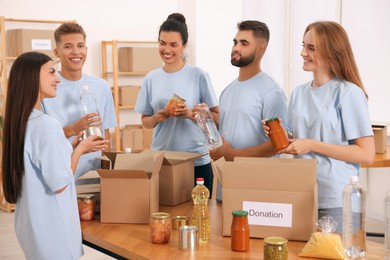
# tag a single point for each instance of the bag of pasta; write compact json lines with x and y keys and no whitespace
{"x":324,"y":244}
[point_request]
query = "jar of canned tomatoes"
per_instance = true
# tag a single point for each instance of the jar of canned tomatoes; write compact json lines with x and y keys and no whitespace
{"x":160,"y":227}
{"x":86,"y":204}
{"x":277,"y":134}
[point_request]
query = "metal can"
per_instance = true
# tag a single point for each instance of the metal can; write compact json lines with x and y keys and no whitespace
{"x":86,"y":204}
{"x":160,"y":227}
{"x":276,"y":134}
{"x":275,"y":248}
{"x":188,"y":237}
{"x":179,"y":221}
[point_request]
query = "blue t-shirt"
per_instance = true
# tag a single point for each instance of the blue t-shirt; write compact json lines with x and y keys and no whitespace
{"x":336,"y":113}
{"x":47,"y":225}
{"x":66,"y":108}
{"x":242,"y":106}
{"x":177,"y":134}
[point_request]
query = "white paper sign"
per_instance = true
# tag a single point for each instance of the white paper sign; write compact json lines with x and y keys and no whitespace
{"x":41,"y":44}
{"x":268,"y":214}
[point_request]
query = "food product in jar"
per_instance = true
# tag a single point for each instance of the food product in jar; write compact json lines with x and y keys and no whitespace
{"x":276,"y":134}
{"x":275,"y":248}
{"x":173,"y":104}
{"x":240,"y":240}
{"x":86,"y":204}
{"x":160,"y":227}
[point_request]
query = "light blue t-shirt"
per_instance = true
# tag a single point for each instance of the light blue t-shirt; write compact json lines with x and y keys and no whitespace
{"x":336,"y":113}
{"x":66,"y":108}
{"x":177,"y":134}
{"x":47,"y":225}
{"x":242,"y":106}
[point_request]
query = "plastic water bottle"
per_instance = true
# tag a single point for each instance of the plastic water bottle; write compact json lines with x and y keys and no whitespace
{"x":387,"y":226}
{"x":89,"y":105}
{"x":354,"y":208}
{"x":201,"y":216}
{"x":205,"y":120}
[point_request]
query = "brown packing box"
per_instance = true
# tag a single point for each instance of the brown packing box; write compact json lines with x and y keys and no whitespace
{"x":24,"y":40}
{"x":148,"y":137}
{"x":380,"y":136}
{"x":279,"y":194}
{"x":132,"y":137}
{"x":129,"y":192}
{"x":128,"y":95}
{"x":138,"y":59}
{"x":177,"y":177}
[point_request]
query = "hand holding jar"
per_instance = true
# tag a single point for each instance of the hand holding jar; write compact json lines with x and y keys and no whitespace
{"x":173,"y":104}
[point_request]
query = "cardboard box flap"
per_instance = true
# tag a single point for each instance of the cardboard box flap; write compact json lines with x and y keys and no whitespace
{"x":269,"y":173}
{"x":120,"y":174}
{"x":174,"y":158}
{"x":150,"y":162}
{"x":379,"y":125}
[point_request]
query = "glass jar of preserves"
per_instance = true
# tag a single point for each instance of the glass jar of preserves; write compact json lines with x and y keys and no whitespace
{"x":240,"y":240}
{"x":275,"y":248}
{"x":276,"y":134}
{"x":86,"y":204}
{"x":173,"y":104}
{"x":160,"y":227}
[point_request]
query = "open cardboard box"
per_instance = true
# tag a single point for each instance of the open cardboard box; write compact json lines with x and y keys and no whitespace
{"x":177,"y":177}
{"x":380,"y":136}
{"x":280,"y":195}
{"x":130,"y":191}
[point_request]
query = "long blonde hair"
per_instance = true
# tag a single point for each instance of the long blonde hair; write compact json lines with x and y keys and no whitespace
{"x":333,"y":47}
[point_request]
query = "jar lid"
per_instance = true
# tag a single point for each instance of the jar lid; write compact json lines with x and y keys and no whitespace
{"x":275,"y":240}
{"x":271,"y":119}
{"x":160,"y":215}
{"x":240,"y":213}
{"x":85,"y":196}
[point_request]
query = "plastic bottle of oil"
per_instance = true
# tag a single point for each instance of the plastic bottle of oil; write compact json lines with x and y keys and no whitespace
{"x":201,"y":216}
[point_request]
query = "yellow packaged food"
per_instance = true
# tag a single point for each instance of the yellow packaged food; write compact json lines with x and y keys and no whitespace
{"x":324,"y":245}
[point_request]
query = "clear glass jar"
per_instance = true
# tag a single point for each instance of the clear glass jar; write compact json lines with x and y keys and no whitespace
{"x":86,"y":204}
{"x":173,"y":104}
{"x":275,"y":248}
{"x":240,"y":240}
{"x":160,"y":227}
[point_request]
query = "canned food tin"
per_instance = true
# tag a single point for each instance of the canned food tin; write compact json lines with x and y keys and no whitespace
{"x":179,"y":221}
{"x":188,"y":237}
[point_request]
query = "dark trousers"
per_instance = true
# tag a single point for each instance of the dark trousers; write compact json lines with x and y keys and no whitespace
{"x":205,"y":172}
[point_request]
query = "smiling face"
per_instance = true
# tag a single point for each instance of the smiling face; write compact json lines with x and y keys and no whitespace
{"x":171,"y":48}
{"x":48,"y":81}
{"x":72,"y":51}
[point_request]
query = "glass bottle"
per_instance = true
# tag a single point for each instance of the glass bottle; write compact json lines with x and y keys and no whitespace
{"x":240,"y":240}
{"x":201,"y":217}
{"x":275,"y":248}
{"x":354,"y":206}
{"x":89,"y":105}
{"x":160,"y":227}
{"x":86,"y":204}
{"x":205,"y":121}
{"x":387,"y":225}
{"x":173,"y":104}
{"x":277,"y":134}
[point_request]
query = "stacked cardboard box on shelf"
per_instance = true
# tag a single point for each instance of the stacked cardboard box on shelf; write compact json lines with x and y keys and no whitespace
{"x":128,"y":95}
{"x":24,"y":40}
{"x":380,"y":136}
{"x":136,"y":137}
{"x":138,"y":59}
{"x":279,"y":194}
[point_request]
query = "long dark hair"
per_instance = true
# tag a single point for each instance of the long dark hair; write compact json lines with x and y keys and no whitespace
{"x":175,"y":22}
{"x":22,"y":95}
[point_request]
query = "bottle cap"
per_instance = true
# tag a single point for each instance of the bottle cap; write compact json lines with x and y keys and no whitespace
{"x":240,"y":213}
{"x":354,"y":179}
{"x":271,"y":119}
{"x":200,"y":180}
{"x":275,"y":240}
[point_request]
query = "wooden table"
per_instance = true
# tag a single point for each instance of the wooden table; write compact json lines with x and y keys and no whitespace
{"x":381,"y":160}
{"x":132,"y":241}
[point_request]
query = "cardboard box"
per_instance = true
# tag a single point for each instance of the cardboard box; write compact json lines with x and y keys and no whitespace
{"x":279,"y":194}
{"x":24,"y":40}
{"x":148,"y":137}
{"x":177,"y":177}
{"x":380,"y":136}
{"x":128,"y":95}
{"x":138,"y":59}
{"x":129,"y":192}
{"x":132,"y":137}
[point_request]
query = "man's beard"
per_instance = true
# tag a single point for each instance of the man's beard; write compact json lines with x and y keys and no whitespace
{"x":243,"y":61}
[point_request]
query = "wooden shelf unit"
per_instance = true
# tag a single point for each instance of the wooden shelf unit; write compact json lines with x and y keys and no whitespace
{"x":112,"y":75}
{"x":4,"y":62}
